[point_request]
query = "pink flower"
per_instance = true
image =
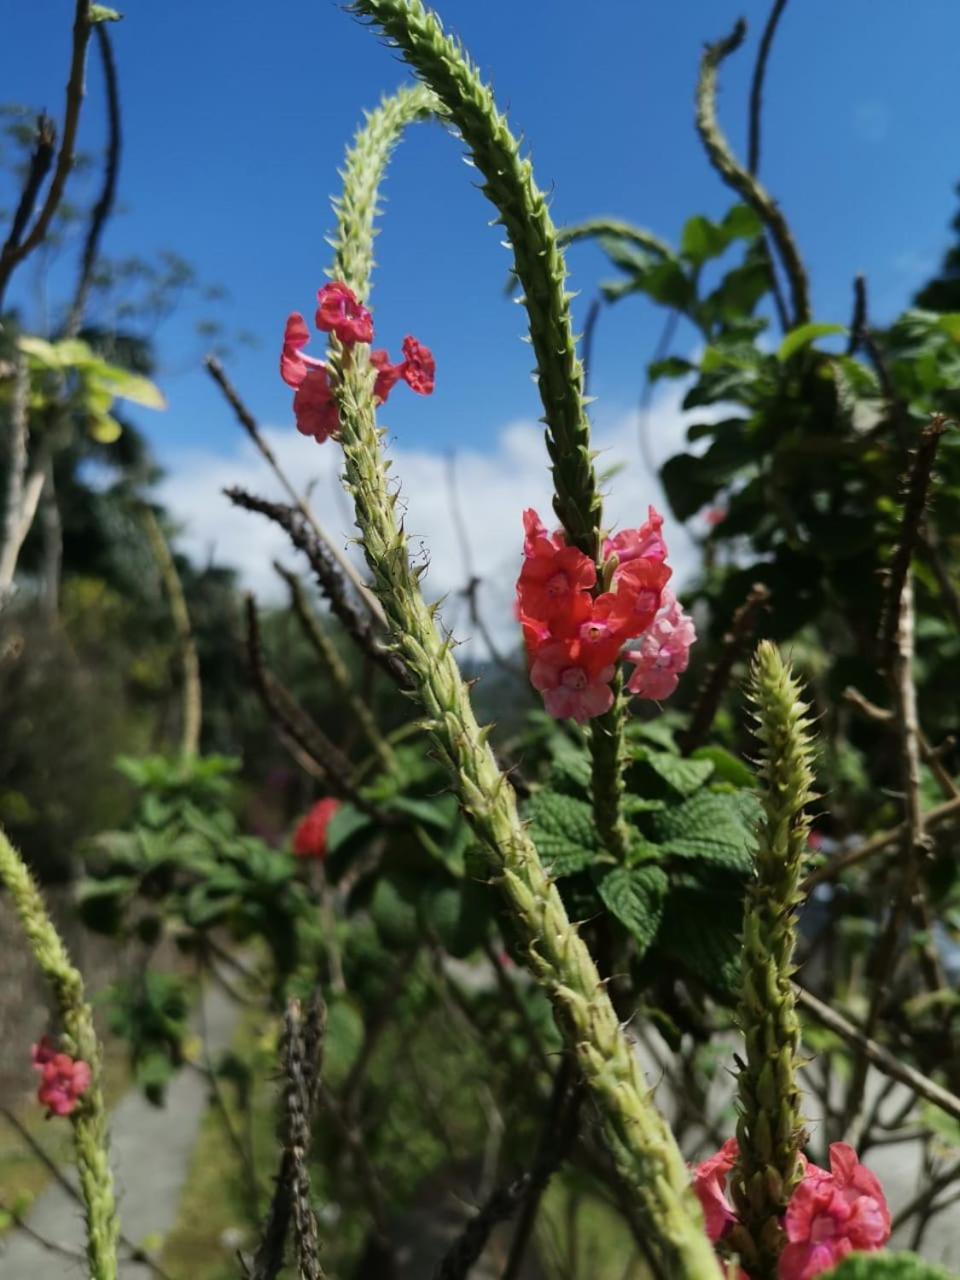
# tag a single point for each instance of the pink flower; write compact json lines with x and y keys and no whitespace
{"x":646,"y":541}
{"x":573,"y":687}
{"x":63,"y":1081}
{"x":710,"y":1184}
{"x":293,"y":365}
{"x":339,"y":312}
{"x":664,"y":652}
{"x":310,"y":837}
{"x":833,"y":1214}
{"x":388,"y":375}
{"x":419,"y":367}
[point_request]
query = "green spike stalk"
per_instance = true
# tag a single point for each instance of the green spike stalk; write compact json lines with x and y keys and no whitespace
{"x":646,"y":1152}
{"x":89,"y":1120}
{"x":770,"y":1130}
{"x":539,"y":266}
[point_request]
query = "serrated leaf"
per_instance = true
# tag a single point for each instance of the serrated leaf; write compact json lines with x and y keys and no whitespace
{"x":563,"y":829}
{"x":684,"y":776}
{"x":701,"y":932}
{"x":803,"y":335}
{"x":636,"y":897}
{"x":713,"y":827}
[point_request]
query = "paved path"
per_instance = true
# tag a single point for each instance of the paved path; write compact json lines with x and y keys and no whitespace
{"x":150,"y":1154}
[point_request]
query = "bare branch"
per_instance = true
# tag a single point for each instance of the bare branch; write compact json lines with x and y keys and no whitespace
{"x":12,"y":255}
{"x":252,"y":428}
{"x":329,"y":577}
{"x":192,"y":693}
{"x":103,"y":208}
{"x":40,"y":161}
{"x":742,"y":627}
{"x":756,"y":86}
{"x":745,"y":184}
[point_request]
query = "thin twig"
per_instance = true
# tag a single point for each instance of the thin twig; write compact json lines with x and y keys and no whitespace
{"x":918,"y":489}
{"x":16,"y":477}
{"x":51,"y":1246}
{"x":12,"y":255}
{"x":748,"y":187}
{"x":930,"y":754}
{"x":557,"y":1136}
{"x":587,"y":341}
{"x":858,"y":321}
{"x":283,"y":709}
{"x":756,"y":86}
{"x":877,"y":844}
{"x":881,"y":1058}
{"x":101,"y":211}
{"x":753,"y":144}
{"x":742,"y":627}
{"x":334,"y":665}
{"x":41,"y":159}
{"x":252,"y":428}
{"x":329,"y":577}
{"x":137,"y":1254}
{"x":192,"y":691}
{"x":297,"y":1111}
{"x":269,"y":1258}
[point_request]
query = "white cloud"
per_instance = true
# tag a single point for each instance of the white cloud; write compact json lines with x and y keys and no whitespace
{"x":493,"y":489}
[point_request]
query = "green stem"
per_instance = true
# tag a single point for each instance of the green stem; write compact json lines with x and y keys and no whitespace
{"x":89,"y":1119}
{"x":540,"y":267}
{"x":646,"y":1151}
{"x":770,"y":1130}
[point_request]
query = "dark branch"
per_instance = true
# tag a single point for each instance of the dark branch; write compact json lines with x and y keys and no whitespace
{"x":329,"y":578}
{"x":734,"y":642}
{"x":102,"y":210}
{"x":11,"y":257}
{"x":918,"y":489}
{"x":756,"y":87}
{"x":40,"y":162}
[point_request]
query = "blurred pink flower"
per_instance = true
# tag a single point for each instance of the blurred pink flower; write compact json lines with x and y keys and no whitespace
{"x":664,"y":652}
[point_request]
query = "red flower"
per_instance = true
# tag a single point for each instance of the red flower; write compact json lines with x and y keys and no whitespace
{"x":535,"y":531}
{"x":419,"y":367}
{"x":554,"y":585}
{"x":388,"y":375}
{"x":339,"y":312}
{"x":664,"y":652}
{"x":314,"y":406}
{"x":833,"y":1214}
{"x":310,"y":837}
{"x":63,"y":1081}
{"x":640,"y":583}
{"x":573,"y":687}
{"x":293,"y":365}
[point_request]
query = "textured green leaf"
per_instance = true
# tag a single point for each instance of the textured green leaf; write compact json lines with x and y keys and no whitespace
{"x":701,"y":932}
{"x":803,"y":335}
{"x":684,"y":776}
{"x":636,"y":898}
{"x":712,"y":826}
{"x":564,"y":832}
{"x":727,"y":768}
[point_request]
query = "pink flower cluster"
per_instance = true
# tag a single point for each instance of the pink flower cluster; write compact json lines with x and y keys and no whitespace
{"x":310,"y":837}
{"x":339,"y":312}
{"x":63,"y":1081}
{"x":829,"y":1214}
{"x":574,"y":636}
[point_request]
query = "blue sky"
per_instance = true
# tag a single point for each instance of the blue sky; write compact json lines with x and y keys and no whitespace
{"x":236,"y":115}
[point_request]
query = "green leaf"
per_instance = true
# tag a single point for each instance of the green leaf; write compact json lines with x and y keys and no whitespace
{"x":681,"y":775}
{"x":701,"y":931}
{"x":636,"y":898}
{"x":742,"y":223}
{"x":672,"y":367}
{"x":885,"y":1266}
{"x":129,"y":386}
{"x":393,"y":909}
{"x":804,"y":335}
{"x":41,"y":350}
{"x":727,"y":768}
{"x":702,"y":240}
{"x":564,"y":832}
{"x":713,"y":827}
{"x":100,"y":13}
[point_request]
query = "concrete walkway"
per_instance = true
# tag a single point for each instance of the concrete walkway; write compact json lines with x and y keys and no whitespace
{"x":150,"y":1154}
